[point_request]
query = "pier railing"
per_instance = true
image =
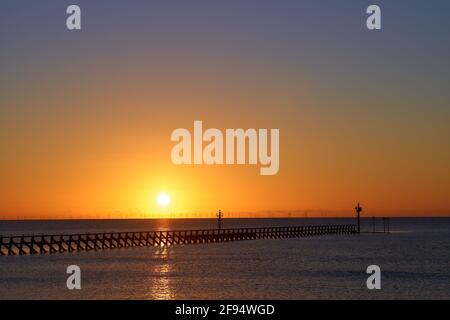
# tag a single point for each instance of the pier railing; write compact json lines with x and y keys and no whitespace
{"x":43,"y":244}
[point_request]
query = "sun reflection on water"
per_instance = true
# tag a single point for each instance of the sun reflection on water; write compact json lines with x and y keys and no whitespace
{"x":160,"y":286}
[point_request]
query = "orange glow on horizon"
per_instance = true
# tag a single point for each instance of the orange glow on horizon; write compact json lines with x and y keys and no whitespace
{"x":96,"y":144}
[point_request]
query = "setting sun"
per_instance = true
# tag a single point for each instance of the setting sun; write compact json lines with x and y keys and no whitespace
{"x":163,"y":199}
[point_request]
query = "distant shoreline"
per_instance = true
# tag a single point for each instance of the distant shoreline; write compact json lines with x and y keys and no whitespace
{"x":230,"y":218}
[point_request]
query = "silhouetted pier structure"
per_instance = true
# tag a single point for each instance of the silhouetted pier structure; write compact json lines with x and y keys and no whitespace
{"x":376,"y":228}
{"x":386,"y":222}
{"x":358,"y":210}
{"x":43,"y":244}
{"x":219,"y":219}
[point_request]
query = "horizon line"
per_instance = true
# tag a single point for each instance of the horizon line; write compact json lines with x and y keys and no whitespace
{"x":235,"y":218}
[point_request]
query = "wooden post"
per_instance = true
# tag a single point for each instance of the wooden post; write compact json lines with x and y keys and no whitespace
{"x":219,"y":219}
{"x":358,"y":210}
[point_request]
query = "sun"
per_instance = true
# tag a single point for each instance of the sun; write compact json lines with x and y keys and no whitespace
{"x":163,"y":199}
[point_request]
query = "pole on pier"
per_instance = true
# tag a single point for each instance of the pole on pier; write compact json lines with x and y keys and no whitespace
{"x":388,"y":229}
{"x":384,"y":224}
{"x":219,"y":219}
{"x":358,"y":210}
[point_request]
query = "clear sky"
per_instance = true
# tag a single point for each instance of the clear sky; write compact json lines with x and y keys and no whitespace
{"x":86,"y":116}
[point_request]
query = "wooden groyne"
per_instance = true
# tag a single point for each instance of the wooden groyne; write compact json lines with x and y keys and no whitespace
{"x":43,"y":244}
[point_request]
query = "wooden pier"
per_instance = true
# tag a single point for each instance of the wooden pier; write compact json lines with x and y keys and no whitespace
{"x":43,"y":244}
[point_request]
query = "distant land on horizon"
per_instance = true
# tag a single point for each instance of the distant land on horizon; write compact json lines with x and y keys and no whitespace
{"x":211,"y":216}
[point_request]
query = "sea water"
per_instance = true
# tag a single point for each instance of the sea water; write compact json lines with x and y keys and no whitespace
{"x":414,"y":259}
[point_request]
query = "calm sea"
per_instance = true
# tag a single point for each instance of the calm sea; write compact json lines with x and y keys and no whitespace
{"x":414,"y":260}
